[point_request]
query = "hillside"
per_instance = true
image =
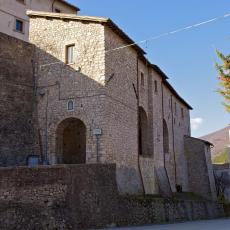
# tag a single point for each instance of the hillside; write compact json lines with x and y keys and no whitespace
{"x":220,"y":140}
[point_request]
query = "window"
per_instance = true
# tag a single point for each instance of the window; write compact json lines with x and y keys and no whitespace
{"x":155,"y":87}
{"x":142,"y":79}
{"x":19,"y":25}
{"x":165,"y":137}
{"x":182,"y":113}
{"x":70,"y":105}
{"x":70,"y":54}
{"x":56,"y":10}
{"x":175,"y":108}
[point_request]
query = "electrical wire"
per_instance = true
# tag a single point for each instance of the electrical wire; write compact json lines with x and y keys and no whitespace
{"x":158,"y":36}
{"x":172,"y":32}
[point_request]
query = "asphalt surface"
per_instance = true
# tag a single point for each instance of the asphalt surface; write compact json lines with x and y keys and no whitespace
{"x":219,"y":224}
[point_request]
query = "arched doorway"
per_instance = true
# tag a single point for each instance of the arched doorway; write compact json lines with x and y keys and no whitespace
{"x":165,"y":137}
{"x":143,"y":132}
{"x":71,"y":142}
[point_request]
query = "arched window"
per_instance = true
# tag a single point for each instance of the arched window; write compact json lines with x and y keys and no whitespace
{"x":165,"y":137}
{"x":70,"y":105}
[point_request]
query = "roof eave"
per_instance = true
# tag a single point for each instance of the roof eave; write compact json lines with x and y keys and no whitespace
{"x":176,"y":94}
{"x":168,"y":85}
{"x":112,"y":25}
{"x":204,"y":141}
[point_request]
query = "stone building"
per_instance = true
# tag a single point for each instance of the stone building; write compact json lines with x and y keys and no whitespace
{"x":100,"y":104}
{"x":93,"y":103}
{"x":13,"y":18}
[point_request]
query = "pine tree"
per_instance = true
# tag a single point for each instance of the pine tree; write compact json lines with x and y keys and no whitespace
{"x":224,"y":78}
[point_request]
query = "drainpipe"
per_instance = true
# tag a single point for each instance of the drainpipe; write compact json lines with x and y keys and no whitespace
{"x":52,"y":7}
{"x":174,"y":155}
{"x":162,"y":104}
{"x":45,"y":162}
{"x":138,"y":125}
{"x":163,"y":115}
{"x":97,"y":147}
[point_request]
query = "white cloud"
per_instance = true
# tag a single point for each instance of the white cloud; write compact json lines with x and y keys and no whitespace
{"x":196,"y":123}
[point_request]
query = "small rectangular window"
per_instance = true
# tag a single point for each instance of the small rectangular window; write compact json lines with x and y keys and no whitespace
{"x":175,"y":108}
{"x":70,"y":54}
{"x":155,"y":87}
{"x":182,"y":113}
{"x":19,"y":25}
{"x":142,"y":79}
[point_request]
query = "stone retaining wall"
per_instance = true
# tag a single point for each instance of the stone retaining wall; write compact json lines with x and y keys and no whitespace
{"x":84,"y":196}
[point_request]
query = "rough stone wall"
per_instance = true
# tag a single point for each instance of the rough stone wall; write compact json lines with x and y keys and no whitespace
{"x":17,"y":102}
{"x":200,"y":172}
{"x":122,"y":65}
{"x":82,"y":81}
{"x":60,"y":197}
{"x":178,"y":127}
{"x":101,"y":85}
{"x":122,"y":144}
{"x":57,"y":197}
{"x":144,"y":211}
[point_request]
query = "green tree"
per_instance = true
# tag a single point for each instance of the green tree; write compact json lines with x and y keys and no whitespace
{"x":224,"y":78}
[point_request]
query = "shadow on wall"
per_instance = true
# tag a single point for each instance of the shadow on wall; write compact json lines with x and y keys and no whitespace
{"x":17,"y":101}
{"x":36,"y":88}
{"x":68,"y":98}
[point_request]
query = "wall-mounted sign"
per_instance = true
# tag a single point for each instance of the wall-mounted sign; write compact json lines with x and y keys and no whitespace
{"x":97,"y":131}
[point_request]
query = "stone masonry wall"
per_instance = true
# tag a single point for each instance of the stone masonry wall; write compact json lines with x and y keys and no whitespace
{"x":57,"y":197}
{"x":82,"y":82}
{"x":60,"y":197}
{"x":121,"y":110}
{"x":100,"y":82}
{"x":17,"y":102}
{"x":124,"y":66}
{"x":200,"y":173}
{"x":178,"y":126}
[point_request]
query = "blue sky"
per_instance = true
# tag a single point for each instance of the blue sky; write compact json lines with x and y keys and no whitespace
{"x":187,"y":58}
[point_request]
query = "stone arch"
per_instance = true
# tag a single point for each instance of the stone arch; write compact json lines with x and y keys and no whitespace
{"x":143,"y":132}
{"x":165,"y":137}
{"x":71,"y":141}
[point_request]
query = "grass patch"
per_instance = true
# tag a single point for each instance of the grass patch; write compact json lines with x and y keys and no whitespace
{"x":221,"y":158}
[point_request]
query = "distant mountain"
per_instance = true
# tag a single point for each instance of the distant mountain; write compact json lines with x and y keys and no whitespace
{"x":220,"y":139}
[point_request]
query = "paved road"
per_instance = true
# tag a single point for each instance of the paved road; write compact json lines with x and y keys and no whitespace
{"x":220,"y":224}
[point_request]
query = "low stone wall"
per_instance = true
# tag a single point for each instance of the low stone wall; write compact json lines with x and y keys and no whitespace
{"x":57,"y":197}
{"x":84,"y":196}
{"x":144,"y":211}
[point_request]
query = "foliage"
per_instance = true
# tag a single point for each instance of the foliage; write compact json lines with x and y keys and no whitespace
{"x":221,"y":158}
{"x":224,"y":78}
{"x":222,"y":182}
